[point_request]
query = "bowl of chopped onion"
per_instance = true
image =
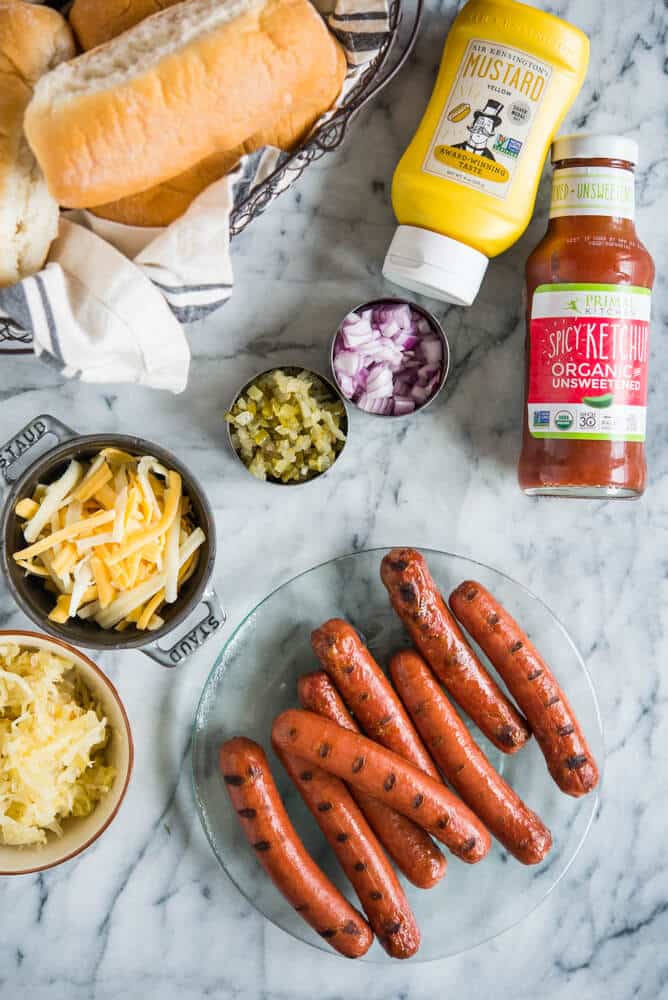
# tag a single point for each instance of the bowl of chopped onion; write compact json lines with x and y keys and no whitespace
{"x":66,"y":752}
{"x":390,"y":357}
{"x":287,"y":426}
{"x":108,"y":541}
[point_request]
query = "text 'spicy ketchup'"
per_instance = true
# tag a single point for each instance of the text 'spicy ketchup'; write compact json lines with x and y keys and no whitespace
{"x":589,"y":287}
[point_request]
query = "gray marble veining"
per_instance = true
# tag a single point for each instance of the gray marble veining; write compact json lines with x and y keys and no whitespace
{"x":147,"y":913}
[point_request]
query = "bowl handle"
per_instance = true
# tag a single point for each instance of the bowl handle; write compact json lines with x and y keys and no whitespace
{"x":27,"y":438}
{"x":199,"y":634}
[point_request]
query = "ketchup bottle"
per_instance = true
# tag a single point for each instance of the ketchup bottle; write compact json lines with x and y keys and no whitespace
{"x":588,"y":286}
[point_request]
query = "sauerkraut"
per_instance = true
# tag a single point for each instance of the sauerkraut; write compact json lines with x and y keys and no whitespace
{"x":53,"y":739}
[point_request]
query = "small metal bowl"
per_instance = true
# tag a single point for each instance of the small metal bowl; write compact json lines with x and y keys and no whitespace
{"x":292,"y":370}
{"x":436,"y":327}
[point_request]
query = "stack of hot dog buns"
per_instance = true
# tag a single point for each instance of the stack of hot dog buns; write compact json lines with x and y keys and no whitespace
{"x":33,"y":40}
{"x":164,"y":105}
{"x":375,"y":782}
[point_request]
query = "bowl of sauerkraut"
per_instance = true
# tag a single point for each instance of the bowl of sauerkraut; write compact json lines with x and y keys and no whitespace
{"x":66,"y":752}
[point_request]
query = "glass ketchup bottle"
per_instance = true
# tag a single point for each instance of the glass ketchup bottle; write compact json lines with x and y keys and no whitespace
{"x":588,"y":286}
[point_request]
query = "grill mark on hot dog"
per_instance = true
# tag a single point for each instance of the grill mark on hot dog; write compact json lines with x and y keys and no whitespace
{"x":324,"y":750}
{"x":300,"y":907}
{"x":393,"y":928}
{"x":306,"y":775}
{"x":471,"y":594}
{"x":342,"y":837}
{"x":534,"y":675}
{"x":399,"y":565}
{"x":364,"y":696}
{"x":357,"y":765}
{"x":516,"y":646}
{"x":552,"y":701}
{"x":233,"y":779}
{"x":376,"y":895}
{"x":253,"y":772}
{"x":407,"y":591}
{"x":577,"y":761}
{"x":324,"y":807}
{"x":506,"y":735}
{"x":493,"y":619}
{"x":262,"y":845}
{"x":390,"y":782}
{"x":443,"y":822}
{"x":385,"y":721}
{"x":565,"y":730}
{"x":360,"y":866}
{"x":469,"y":845}
{"x":417,"y":801}
{"x":330,"y":933}
{"x":348,"y":670}
{"x":247,"y":813}
{"x":293,"y":733}
{"x":351,"y":928}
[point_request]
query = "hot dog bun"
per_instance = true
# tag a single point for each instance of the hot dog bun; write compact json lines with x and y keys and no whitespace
{"x":32,"y":41}
{"x":195,"y":79}
{"x":161,"y":204}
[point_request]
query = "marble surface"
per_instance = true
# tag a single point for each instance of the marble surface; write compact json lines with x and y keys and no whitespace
{"x":147,"y":913}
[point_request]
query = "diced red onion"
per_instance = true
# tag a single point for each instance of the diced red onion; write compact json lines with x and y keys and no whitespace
{"x":389,"y":359}
{"x":381,"y":406}
{"x":432,"y":350}
{"x":402,"y":406}
{"x":348,"y":363}
{"x":380,"y":384}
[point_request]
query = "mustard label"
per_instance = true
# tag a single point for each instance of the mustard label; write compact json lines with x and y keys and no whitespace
{"x":488,"y":117}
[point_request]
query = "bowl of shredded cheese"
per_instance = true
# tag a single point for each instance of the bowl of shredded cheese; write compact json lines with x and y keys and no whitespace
{"x":109,"y":542}
{"x":66,"y":752}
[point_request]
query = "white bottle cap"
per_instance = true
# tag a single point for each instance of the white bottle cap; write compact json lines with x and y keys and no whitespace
{"x":584,"y":146}
{"x":434,"y":265}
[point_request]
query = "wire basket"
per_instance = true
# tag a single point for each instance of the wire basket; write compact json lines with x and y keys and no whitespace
{"x":404,"y":21}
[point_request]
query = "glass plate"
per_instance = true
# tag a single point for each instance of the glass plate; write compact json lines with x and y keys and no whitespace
{"x":254,"y":679}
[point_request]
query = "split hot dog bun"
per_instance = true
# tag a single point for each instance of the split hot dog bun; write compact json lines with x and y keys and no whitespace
{"x":32,"y":41}
{"x":196,"y":79}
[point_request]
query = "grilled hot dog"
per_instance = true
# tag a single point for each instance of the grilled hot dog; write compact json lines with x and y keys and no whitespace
{"x":532,"y":684}
{"x":464,"y":764}
{"x":386,"y":776}
{"x":434,"y":631}
{"x":359,"y":854}
{"x":410,"y":847}
{"x":279,"y":850}
{"x":368,"y":693}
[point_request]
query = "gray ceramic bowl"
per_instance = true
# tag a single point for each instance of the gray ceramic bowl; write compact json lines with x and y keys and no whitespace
{"x":29,"y":592}
{"x":293,"y":370}
{"x":436,"y":327}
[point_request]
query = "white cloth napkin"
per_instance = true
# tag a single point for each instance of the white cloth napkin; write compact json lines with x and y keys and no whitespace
{"x":109,"y":305}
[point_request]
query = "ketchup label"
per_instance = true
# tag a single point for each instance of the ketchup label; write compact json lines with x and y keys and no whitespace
{"x":488,"y":118}
{"x":585,"y":190}
{"x":588,"y":356}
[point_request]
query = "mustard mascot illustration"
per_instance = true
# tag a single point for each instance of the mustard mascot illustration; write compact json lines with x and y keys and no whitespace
{"x":482,"y":129}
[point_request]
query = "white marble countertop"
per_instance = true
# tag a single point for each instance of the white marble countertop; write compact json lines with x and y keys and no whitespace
{"x":147,"y":912}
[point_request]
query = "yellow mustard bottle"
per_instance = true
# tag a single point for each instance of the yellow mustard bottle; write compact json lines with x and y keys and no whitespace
{"x":465,"y":188}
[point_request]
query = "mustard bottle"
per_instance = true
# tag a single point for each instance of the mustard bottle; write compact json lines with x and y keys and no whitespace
{"x":465,"y":188}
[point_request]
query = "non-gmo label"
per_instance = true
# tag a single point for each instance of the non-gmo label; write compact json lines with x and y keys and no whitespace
{"x":488,"y":117}
{"x":588,"y":358}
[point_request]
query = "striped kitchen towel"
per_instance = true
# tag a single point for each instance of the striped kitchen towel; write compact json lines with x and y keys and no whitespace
{"x":111,"y":302}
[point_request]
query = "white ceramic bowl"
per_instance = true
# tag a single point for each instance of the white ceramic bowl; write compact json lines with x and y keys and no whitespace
{"x":78,"y":832}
